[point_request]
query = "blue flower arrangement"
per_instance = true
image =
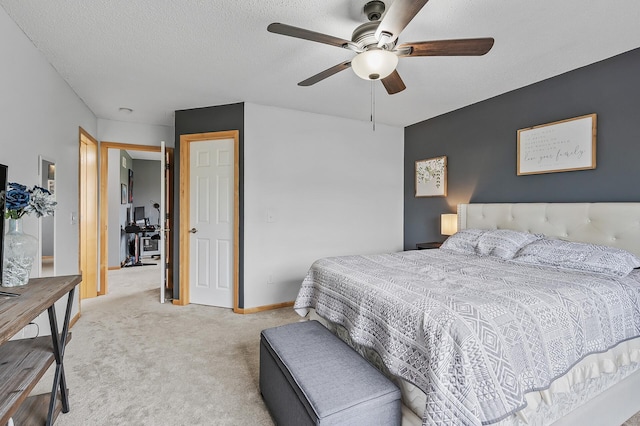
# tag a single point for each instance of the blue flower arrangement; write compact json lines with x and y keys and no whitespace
{"x":20,"y":200}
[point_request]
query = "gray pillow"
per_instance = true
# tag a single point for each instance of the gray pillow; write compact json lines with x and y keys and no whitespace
{"x":504,"y":243}
{"x":579,"y":256}
{"x":463,"y":241}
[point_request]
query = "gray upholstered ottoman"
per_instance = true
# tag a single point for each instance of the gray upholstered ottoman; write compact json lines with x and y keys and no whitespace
{"x":308,"y":376}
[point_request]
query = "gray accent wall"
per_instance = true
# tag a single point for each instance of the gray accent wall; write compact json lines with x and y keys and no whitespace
{"x":202,"y":120}
{"x":146,"y":178}
{"x":480,"y":143}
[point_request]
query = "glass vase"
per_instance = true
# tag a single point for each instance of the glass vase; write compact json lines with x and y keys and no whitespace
{"x":19,"y":253}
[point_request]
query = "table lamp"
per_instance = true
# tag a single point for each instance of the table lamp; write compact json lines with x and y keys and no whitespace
{"x":448,"y":224}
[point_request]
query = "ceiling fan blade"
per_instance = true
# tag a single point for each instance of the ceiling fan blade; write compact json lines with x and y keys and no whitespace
{"x":461,"y":47}
{"x":326,"y":73}
{"x":397,"y":17}
{"x":393,"y":83}
{"x":296,"y":32}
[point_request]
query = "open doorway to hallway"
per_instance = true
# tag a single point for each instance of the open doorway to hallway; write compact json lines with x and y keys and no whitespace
{"x":135,"y":194}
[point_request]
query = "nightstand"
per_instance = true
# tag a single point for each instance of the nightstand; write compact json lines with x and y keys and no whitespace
{"x":431,"y":245}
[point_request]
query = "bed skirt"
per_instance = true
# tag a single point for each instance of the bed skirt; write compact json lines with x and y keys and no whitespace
{"x":592,"y":377}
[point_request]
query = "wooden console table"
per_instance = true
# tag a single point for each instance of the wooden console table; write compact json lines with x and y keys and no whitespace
{"x":23,"y":362}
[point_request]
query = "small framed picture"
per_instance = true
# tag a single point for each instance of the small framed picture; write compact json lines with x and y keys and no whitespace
{"x":124,"y":194}
{"x":130,"y":186}
{"x":431,"y":177}
{"x":51,"y":186}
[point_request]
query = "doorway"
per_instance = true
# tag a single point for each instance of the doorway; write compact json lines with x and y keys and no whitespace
{"x":167,"y":189}
{"x":47,"y":224}
{"x":209,"y":261}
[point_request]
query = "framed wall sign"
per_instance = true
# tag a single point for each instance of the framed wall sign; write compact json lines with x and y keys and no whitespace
{"x":431,"y":177}
{"x":130,"y":186}
{"x":561,"y":146}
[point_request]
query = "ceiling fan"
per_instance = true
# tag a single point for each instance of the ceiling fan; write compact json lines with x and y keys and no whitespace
{"x":375,"y":43}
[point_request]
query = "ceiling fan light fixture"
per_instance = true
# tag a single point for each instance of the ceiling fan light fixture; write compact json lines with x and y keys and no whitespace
{"x":374,"y":64}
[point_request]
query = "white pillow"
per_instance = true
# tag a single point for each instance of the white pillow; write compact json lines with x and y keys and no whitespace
{"x":579,"y":256}
{"x":463,"y":241}
{"x":504,"y":243}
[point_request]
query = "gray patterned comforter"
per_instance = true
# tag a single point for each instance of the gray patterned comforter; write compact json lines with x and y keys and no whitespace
{"x":474,"y":333}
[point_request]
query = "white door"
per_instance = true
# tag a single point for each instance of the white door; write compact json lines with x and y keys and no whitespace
{"x":211,"y":222}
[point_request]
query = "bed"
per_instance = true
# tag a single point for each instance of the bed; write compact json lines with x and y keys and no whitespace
{"x":494,"y":336}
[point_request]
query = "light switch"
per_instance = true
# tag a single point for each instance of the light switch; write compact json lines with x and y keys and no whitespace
{"x":74,"y":218}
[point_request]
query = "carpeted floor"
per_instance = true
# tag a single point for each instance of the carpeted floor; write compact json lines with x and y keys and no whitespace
{"x":134,"y":361}
{"x":633,"y":421}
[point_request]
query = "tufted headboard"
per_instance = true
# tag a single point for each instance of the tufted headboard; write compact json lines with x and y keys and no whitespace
{"x":610,"y":224}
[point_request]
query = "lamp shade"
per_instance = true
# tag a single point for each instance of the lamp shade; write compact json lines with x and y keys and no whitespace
{"x":448,"y":224}
{"x":374,"y":64}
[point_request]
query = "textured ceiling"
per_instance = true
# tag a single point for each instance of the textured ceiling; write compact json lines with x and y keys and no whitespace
{"x":157,"y":56}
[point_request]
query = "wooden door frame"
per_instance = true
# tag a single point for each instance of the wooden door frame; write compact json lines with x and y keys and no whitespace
{"x":185,"y":199}
{"x":104,"y":206}
{"x":84,"y":138}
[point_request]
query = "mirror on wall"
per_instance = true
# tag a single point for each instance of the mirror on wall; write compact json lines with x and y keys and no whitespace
{"x":47,"y":231}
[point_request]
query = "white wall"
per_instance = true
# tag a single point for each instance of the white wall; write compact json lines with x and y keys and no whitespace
{"x":40,"y":114}
{"x":135,"y":133}
{"x":332,"y":187}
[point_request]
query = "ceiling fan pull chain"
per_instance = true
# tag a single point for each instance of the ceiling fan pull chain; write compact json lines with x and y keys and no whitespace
{"x":373,"y":106}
